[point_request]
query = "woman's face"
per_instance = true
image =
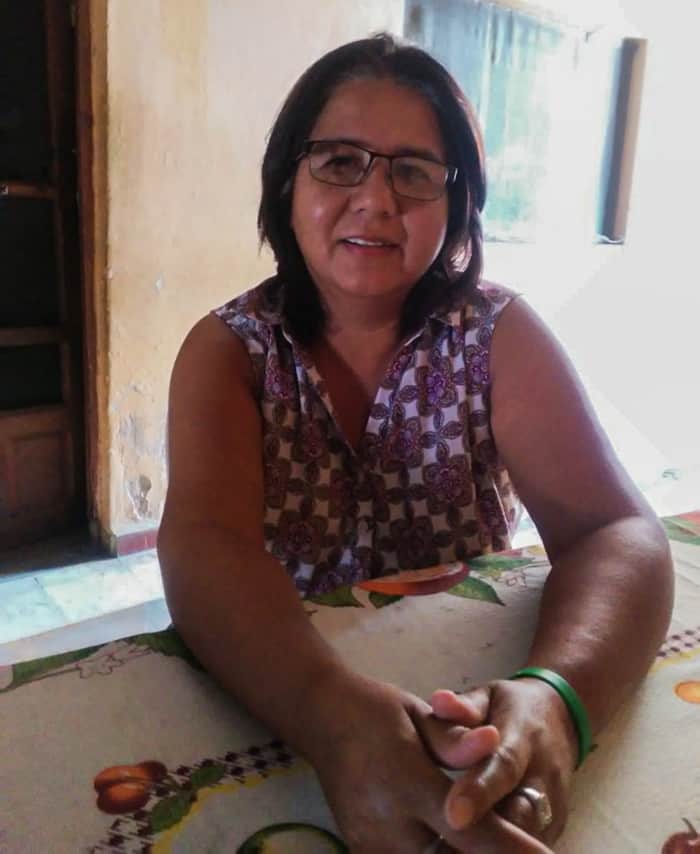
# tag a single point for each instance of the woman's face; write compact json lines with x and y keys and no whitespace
{"x":329,"y":220}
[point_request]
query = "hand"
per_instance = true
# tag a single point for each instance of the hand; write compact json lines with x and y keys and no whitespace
{"x":384,"y":787}
{"x":538,"y":748}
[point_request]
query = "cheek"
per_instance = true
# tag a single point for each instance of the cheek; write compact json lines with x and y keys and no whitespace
{"x":429,"y":231}
{"x":313,"y":218}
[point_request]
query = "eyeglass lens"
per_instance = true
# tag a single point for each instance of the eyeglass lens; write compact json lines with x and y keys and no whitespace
{"x":346,"y":165}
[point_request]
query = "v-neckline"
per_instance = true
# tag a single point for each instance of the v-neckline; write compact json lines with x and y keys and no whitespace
{"x":384,"y":388}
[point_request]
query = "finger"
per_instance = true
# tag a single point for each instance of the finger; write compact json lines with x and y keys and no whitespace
{"x":480,"y":788}
{"x":455,"y":746}
{"x":470,"y":709}
{"x":416,"y":838}
{"x":427,"y":804}
{"x":493,"y":835}
{"x":517,"y":809}
{"x":383,"y":838}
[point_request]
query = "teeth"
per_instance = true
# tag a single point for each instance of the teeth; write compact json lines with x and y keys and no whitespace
{"x":361,"y":242}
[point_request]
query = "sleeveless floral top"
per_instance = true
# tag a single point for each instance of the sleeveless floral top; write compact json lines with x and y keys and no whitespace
{"x":426,"y":485}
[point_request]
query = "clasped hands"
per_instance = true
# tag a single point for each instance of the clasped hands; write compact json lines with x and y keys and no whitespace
{"x":382,"y":770}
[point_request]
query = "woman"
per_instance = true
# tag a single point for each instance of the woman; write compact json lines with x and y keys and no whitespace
{"x":377,"y":393}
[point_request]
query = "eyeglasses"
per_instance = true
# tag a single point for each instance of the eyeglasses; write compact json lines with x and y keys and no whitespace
{"x":347,"y":165}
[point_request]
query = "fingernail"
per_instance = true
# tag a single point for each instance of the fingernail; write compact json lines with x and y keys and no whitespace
{"x":461,"y":812}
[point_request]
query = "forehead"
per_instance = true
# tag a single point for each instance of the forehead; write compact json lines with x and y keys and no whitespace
{"x":382,"y":115}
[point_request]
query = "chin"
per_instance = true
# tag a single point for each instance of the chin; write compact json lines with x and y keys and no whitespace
{"x":374,"y":287}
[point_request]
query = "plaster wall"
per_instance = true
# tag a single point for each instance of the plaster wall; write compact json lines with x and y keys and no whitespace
{"x":193,"y":87}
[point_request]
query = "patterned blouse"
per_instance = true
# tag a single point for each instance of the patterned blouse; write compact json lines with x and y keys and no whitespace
{"x":425,"y":486}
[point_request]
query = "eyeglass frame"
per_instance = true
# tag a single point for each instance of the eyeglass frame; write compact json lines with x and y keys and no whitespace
{"x":450,"y":177}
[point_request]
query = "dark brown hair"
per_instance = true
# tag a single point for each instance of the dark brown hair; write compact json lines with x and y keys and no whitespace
{"x":459,"y":264}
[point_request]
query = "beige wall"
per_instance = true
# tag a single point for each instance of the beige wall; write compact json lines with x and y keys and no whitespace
{"x":192,"y":89}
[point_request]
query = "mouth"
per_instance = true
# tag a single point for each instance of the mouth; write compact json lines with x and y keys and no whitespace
{"x":367,"y":244}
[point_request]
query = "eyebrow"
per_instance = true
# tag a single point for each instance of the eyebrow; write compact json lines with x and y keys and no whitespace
{"x":403,"y":151}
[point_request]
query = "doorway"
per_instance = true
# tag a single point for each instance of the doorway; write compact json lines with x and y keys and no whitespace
{"x":42,"y":435}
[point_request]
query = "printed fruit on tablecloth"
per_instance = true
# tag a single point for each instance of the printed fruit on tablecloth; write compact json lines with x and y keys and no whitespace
{"x":689,"y":691}
{"x":292,"y":838}
{"x":418,"y":582}
{"x":122,"y":797}
{"x":125,"y":788}
{"x":685,"y":842}
{"x":148,"y":772}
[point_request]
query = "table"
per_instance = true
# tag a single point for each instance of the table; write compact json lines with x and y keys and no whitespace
{"x":208,"y":776}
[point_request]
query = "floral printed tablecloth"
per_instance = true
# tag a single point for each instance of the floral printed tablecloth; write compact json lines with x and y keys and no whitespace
{"x":129,"y":746}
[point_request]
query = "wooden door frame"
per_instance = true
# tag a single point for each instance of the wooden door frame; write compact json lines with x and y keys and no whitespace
{"x":90,"y":19}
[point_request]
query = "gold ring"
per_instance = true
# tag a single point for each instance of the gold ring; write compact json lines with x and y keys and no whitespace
{"x":540,"y":804}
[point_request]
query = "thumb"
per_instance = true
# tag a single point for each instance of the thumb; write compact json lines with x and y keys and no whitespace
{"x":470,"y":709}
{"x":455,"y":746}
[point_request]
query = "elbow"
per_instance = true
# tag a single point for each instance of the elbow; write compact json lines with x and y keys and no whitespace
{"x":170,"y":548}
{"x":656,"y":548}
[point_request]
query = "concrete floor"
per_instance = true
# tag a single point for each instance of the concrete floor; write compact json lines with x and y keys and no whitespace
{"x":34,"y":601}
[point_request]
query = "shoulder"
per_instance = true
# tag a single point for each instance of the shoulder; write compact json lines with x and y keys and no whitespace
{"x":477,"y":305}
{"x":473,"y":316}
{"x":210,"y":350}
{"x":255,"y":310}
{"x":488,"y":300}
{"x":562,"y":464}
{"x":522,"y":340}
{"x":210,"y":354}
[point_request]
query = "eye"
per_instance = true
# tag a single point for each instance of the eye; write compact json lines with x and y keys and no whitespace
{"x":339,"y":162}
{"x":343,"y":161}
{"x":414,"y":171}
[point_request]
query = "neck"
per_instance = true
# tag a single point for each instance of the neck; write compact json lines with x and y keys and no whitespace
{"x":359,"y":341}
{"x":363,"y":343}
{"x":373,"y":323}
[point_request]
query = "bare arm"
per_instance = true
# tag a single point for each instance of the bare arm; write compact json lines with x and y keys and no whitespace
{"x":607,"y":602}
{"x":234,"y":604}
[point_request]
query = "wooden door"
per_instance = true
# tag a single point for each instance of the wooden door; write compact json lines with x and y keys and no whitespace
{"x":41,"y":409}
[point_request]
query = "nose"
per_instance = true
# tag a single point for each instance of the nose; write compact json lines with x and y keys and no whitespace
{"x":375,"y":193}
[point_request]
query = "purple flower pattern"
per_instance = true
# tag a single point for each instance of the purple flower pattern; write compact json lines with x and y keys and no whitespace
{"x":426,"y":484}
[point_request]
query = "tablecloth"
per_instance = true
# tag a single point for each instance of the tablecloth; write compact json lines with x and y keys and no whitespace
{"x":129,"y":746}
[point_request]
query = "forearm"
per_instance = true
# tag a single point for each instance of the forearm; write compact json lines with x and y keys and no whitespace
{"x":605,"y":610}
{"x":241,"y":615}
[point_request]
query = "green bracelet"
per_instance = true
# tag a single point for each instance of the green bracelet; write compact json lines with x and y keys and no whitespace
{"x":572,"y":701}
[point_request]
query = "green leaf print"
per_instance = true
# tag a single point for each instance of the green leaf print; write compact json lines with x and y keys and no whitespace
{"x":493,"y":566}
{"x":170,"y":811}
{"x":379,"y":600}
{"x":341,"y":597}
{"x":29,"y":671}
{"x":680,"y":532}
{"x":208,"y":775}
{"x":474,"y":588}
{"x":167,"y":642}
{"x":292,"y":836}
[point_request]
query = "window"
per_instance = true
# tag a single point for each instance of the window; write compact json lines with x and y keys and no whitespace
{"x":558,"y":106}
